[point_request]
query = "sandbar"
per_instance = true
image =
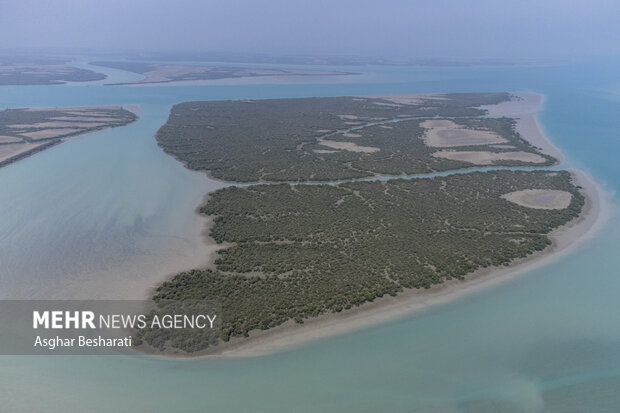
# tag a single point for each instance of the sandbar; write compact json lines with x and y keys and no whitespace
{"x":524,"y":108}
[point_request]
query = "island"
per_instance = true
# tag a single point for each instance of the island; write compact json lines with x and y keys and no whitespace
{"x":42,"y":71}
{"x":341,"y":202}
{"x":24,"y":132}
{"x":158,"y":73}
{"x":323,"y":139}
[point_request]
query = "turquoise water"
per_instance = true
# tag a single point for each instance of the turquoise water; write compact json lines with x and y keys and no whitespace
{"x":548,"y":341}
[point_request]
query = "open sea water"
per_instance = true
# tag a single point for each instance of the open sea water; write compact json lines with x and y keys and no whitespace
{"x":110,"y":207}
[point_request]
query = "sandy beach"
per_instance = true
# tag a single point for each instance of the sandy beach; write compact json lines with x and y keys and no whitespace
{"x":524,"y":109}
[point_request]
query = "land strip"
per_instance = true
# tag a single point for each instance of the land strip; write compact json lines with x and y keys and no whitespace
{"x":44,"y":71}
{"x":155,"y":73}
{"x":24,"y":132}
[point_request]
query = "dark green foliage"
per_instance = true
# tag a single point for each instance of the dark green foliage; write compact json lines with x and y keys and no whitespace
{"x":304,"y":250}
{"x":276,"y":139}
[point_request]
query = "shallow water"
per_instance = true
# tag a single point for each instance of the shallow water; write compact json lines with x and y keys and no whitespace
{"x":111,"y":205}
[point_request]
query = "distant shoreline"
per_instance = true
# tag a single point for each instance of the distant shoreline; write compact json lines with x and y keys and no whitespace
{"x":49,"y":143}
{"x":172,"y":74}
{"x":291,"y":334}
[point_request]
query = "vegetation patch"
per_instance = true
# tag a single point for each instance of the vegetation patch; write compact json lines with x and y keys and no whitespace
{"x":305,"y":250}
{"x":319,"y":139}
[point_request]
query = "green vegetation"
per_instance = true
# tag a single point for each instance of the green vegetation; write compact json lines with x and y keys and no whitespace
{"x":304,"y":250}
{"x":288,"y":139}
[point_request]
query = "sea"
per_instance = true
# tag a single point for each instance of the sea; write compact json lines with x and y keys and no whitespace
{"x":111,"y":209}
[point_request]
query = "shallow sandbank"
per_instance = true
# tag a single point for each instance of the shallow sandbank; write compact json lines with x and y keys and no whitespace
{"x":524,"y":108}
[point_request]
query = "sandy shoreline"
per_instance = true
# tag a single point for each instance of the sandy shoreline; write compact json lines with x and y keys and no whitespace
{"x":388,"y":308}
{"x":525,"y":111}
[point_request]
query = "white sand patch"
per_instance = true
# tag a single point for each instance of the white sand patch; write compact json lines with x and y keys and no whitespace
{"x":348,"y":117}
{"x":324,"y":151}
{"x":393,"y":105}
{"x":444,"y":133}
{"x":410,"y":99}
{"x":51,"y":133}
{"x":386,"y":127}
{"x":527,"y":126}
{"x":9,"y":139}
{"x":91,"y":114}
{"x":520,"y":103}
{"x":349,"y":146}
{"x":504,"y":146}
{"x":324,"y":130}
{"x":13,"y":149}
{"x":488,"y":158}
{"x":351,"y":135}
{"x":524,"y":107}
{"x":40,"y":125}
{"x":86,"y":118}
{"x":79,"y":110}
{"x":540,"y":198}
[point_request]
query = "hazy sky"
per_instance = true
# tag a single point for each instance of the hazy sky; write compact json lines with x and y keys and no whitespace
{"x":407,"y":28}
